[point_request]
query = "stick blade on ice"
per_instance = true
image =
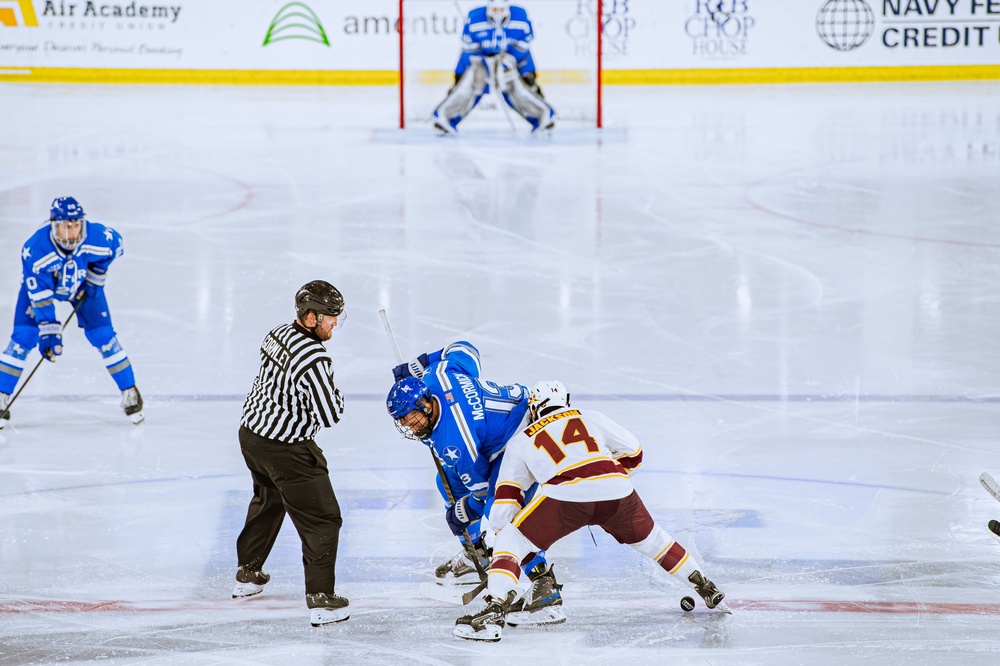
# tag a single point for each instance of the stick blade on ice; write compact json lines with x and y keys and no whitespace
{"x":990,"y":484}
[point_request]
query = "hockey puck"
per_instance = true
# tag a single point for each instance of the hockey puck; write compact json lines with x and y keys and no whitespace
{"x":687,"y":604}
{"x":994,"y":527}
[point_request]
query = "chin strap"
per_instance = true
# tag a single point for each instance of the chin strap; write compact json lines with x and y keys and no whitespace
{"x":310,"y":329}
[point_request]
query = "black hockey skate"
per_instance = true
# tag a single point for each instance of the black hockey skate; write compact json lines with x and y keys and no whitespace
{"x":487,"y":624}
{"x":542,"y":603}
{"x":460,"y":570}
{"x":249,"y":583}
{"x":4,"y":413}
{"x":705,"y":588}
{"x":327,"y":608}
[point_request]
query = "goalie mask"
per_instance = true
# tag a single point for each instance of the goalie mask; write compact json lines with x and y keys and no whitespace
{"x":547,"y":396}
{"x":68,"y":226}
{"x":498,"y":11}
{"x":414,"y":418}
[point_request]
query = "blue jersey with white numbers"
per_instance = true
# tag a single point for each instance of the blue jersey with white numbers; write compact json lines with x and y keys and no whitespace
{"x":51,"y":274}
{"x":477,"y":418}
{"x":481,"y":37}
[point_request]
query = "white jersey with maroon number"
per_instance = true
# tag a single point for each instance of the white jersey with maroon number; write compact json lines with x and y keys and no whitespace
{"x":576,"y":456}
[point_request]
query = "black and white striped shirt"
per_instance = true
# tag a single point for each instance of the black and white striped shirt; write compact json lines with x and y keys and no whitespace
{"x":293,"y":395}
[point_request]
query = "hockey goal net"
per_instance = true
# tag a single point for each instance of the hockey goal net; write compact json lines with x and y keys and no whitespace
{"x":566,"y":50}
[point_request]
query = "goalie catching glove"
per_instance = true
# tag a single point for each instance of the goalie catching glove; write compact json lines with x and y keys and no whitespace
{"x":463,"y":512}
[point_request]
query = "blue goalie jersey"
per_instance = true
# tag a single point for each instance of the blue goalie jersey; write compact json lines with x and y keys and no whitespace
{"x":477,"y":418}
{"x":52,"y":274}
{"x":481,"y":37}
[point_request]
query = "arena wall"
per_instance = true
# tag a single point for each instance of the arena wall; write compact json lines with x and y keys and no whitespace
{"x":355,"y":42}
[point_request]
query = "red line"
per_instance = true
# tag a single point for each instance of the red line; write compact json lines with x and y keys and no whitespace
{"x":878,"y":607}
{"x":53,"y":606}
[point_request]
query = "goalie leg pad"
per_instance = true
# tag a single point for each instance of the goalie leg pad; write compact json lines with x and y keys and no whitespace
{"x":528,"y":103}
{"x":462,"y":98}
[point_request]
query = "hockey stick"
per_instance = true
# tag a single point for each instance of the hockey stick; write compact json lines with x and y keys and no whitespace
{"x":493,"y":68}
{"x":990,"y":484}
{"x":5,"y":414}
{"x":470,"y":551}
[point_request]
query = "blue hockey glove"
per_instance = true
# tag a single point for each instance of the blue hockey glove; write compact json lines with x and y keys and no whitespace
{"x":415,"y":368}
{"x":93,"y":285}
{"x":50,"y":339}
{"x":461,"y":514}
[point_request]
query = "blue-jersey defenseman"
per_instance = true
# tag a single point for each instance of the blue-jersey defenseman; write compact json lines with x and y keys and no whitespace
{"x":495,"y":55}
{"x":67,"y":260}
{"x":441,"y":399}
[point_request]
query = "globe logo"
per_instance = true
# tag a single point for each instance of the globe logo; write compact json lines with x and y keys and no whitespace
{"x":845,"y":24}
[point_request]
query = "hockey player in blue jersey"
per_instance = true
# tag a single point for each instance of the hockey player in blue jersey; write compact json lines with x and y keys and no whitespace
{"x":440,"y":399}
{"x":495,"y":53}
{"x":67,"y":260}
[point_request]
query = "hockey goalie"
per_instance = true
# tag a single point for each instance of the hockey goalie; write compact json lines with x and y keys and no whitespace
{"x":495,"y":55}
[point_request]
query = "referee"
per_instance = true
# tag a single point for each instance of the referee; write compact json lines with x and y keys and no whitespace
{"x":292,"y":398}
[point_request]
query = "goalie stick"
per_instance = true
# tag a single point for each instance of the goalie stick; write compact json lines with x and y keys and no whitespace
{"x":470,"y":551}
{"x":990,"y":484}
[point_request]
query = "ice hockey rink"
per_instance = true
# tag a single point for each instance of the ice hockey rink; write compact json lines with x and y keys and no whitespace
{"x":789,"y":293}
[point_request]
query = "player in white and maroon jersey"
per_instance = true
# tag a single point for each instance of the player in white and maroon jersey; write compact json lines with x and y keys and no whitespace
{"x":581,"y":460}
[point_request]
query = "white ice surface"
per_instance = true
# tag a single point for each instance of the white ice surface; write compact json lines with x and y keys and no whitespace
{"x":788,"y":293}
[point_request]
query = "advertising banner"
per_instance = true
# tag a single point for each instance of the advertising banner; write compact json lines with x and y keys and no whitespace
{"x":328,"y":42}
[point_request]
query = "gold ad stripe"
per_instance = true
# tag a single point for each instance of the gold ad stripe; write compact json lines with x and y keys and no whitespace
{"x":613,"y":77}
{"x":678,"y":77}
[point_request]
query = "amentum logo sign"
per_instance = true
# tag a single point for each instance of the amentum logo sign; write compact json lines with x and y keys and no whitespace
{"x":296,"y":20}
{"x":18,"y":14}
{"x":845,"y":24}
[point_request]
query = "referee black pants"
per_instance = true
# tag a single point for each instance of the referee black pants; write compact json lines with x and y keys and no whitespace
{"x":292,"y":479}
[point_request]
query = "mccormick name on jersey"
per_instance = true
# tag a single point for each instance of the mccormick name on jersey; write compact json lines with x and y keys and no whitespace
{"x":472,"y":397}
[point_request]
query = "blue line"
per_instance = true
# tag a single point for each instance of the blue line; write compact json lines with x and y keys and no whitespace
{"x":133,"y":482}
{"x":614,"y":397}
{"x":792,"y":479}
{"x":730,"y":475}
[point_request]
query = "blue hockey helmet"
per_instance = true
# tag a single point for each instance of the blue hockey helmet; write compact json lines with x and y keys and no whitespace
{"x":66,"y":208}
{"x":406,"y":396}
{"x":63,"y":210}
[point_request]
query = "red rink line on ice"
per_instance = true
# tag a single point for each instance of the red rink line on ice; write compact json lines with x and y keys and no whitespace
{"x":879,"y":607}
{"x":52,"y":606}
{"x":769,"y":605}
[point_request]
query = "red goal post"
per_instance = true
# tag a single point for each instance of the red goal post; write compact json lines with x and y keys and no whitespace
{"x":567,"y":51}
